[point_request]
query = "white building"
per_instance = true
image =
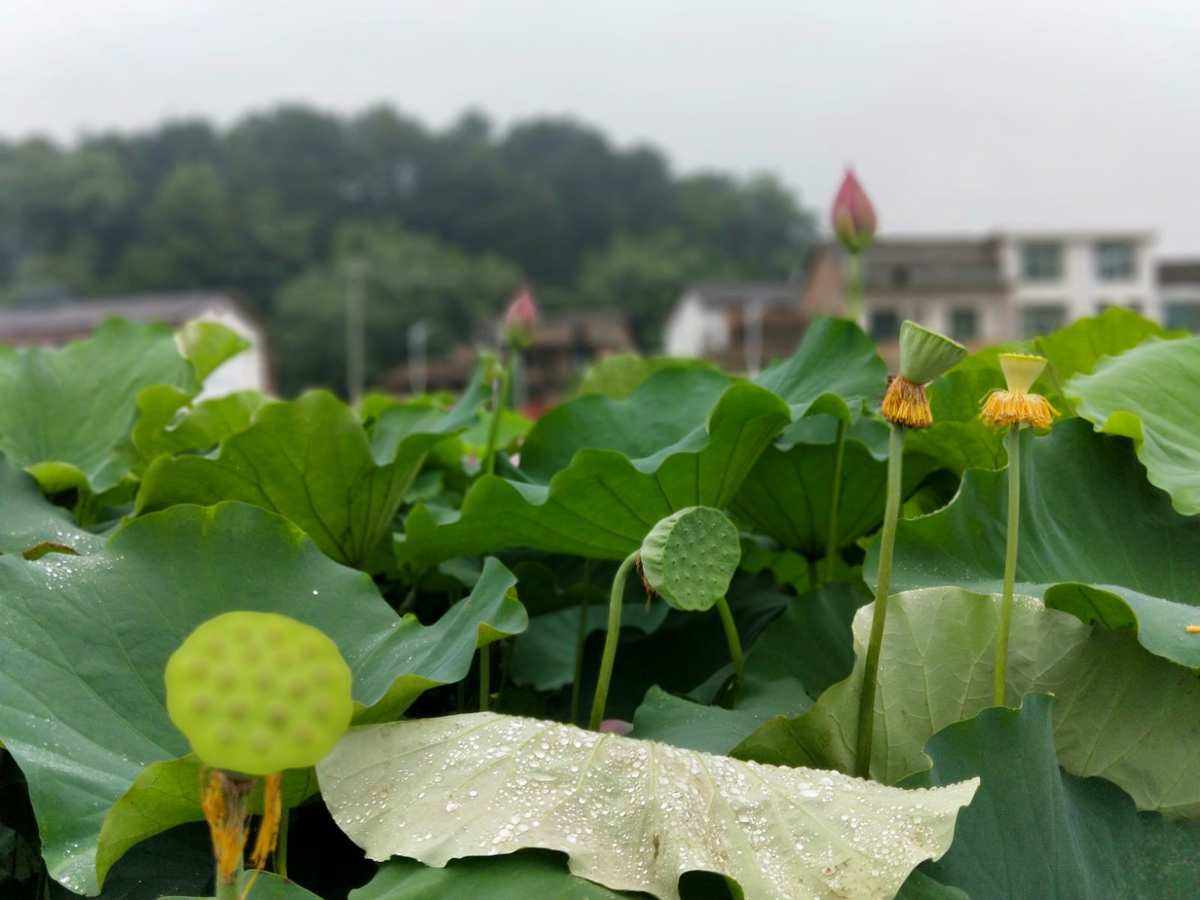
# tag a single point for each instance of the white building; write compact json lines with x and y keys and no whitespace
{"x":1059,"y":276}
{"x":743,"y":325}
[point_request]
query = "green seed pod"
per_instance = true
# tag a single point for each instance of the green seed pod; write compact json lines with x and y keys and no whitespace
{"x":258,"y":693}
{"x":926,"y":355}
{"x":690,"y":557}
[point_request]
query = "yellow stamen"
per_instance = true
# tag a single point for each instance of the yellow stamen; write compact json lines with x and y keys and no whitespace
{"x":1192,"y":629}
{"x":268,"y":829}
{"x":1005,"y":408}
{"x":224,"y":806}
{"x":905,"y":404}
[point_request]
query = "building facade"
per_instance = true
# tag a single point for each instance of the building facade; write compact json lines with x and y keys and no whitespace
{"x":741,"y":325}
{"x":1179,"y":293}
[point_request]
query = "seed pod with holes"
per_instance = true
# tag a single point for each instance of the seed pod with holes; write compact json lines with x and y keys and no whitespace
{"x":690,"y":557}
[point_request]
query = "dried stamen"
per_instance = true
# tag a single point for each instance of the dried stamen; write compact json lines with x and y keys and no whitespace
{"x":224,"y":806}
{"x":268,"y":829}
{"x":1004,"y":408}
{"x":905,"y":404}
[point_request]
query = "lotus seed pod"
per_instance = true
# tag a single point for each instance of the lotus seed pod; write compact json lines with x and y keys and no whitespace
{"x":690,"y":557}
{"x":1021,"y":370}
{"x":258,"y":693}
{"x":926,"y":355}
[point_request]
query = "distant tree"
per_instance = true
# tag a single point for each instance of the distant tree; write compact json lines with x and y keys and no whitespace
{"x":408,"y":277}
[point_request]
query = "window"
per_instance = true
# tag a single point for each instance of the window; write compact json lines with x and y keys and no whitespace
{"x":900,"y":277}
{"x":1114,"y":260}
{"x":885,"y":324}
{"x":1183,"y":314}
{"x":1042,"y":319}
{"x":964,"y":324}
{"x":1041,"y":261}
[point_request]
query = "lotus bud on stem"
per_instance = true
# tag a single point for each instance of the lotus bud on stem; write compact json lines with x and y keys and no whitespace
{"x":924,"y":356}
{"x":1013,"y":408}
{"x":516,"y":333}
{"x":254,"y":694}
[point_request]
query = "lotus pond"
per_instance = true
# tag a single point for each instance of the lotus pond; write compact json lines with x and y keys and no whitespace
{"x":424,"y":648}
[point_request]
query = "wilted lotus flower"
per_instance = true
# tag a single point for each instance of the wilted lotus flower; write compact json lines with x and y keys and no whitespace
{"x":853,"y":216}
{"x":520,"y":319}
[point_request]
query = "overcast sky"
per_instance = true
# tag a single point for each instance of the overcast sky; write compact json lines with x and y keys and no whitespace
{"x":959,"y":114}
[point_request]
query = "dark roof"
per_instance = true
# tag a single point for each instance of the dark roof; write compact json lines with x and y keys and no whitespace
{"x":741,"y":293}
{"x":921,"y":264}
{"x":77,"y":317}
{"x":1179,"y":271}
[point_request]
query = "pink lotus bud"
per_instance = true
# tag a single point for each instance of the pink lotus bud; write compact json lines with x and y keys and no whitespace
{"x":852,"y":215}
{"x":616,"y":726}
{"x":520,"y":319}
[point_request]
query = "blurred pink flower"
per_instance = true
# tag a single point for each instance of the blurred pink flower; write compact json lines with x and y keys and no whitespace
{"x":852,"y":215}
{"x":616,"y":726}
{"x":520,"y":319}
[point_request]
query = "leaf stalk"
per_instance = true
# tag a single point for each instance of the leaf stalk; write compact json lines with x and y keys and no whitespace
{"x":615,"y":601}
{"x":1012,"y":444}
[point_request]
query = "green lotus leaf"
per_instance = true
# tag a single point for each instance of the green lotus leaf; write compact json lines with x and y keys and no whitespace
{"x":631,"y":815}
{"x":519,"y":876}
{"x":311,"y":460}
{"x":169,"y":423}
{"x":1095,"y":540}
{"x":85,"y":640}
{"x":208,"y":344}
{"x":617,"y":376}
{"x":32,"y":525}
{"x":1124,"y":714}
{"x":66,"y":413}
{"x":263,"y":886}
{"x":1152,"y":395}
{"x":599,"y":473}
{"x":1034,"y":831}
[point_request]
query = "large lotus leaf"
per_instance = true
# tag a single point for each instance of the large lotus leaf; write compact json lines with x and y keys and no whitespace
{"x":85,"y":639}
{"x":604,"y":503}
{"x":836,"y":369}
{"x":254,"y":885}
{"x":529,"y":875}
{"x":960,"y":441}
{"x":208,"y":344}
{"x":1095,"y":539}
{"x":800,"y":654}
{"x":179,"y":861}
{"x":311,"y":460}
{"x":1124,"y":715}
{"x":65,"y":413}
{"x":787,"y":494}
{"x":619,"y":375}
{"x":632,"y":815}
{"x":1033,"y":831}
{"x":29,"y":523}
{"x":1152,"y":395}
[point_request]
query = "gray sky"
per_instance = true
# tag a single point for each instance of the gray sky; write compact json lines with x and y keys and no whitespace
{"x":960,"y":114}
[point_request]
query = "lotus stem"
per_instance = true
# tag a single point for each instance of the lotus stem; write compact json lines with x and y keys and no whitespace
{"x":731,"y":637}
{"x":485,"y":676}
{"x":580,"y":640}
{"x":227,"y":890}
{"x":854,"y":287}
{"x":835,"y":499}
{"x":887,"y":543}
{"x":1012,"y":444}
{"x":616,"y":600}
{"x":499,"y":398}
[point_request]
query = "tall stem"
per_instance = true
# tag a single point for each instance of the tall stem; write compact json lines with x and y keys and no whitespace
{"x":485,"y":676}
{"x":887,"y":543}
{"x":580,"y":640}
{"x":835,"y":499}
{"x":1012,"y":443}
{"x":615,"y":600}
{"x":731,"y":637}
{"x":499,"y":397}
{"x":854,"y":287}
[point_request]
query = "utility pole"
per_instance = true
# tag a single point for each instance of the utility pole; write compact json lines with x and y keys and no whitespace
{"x":356,"y":329}
{"x":418,"y":341}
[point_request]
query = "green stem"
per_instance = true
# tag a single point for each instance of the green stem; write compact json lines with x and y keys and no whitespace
{"x":731,"y":637}
{"x":485,"y":676}
{"x":611,"y":638}
{"x":580,"y":640}
{"x":499,"y":394}
{"x":281,"y":843}
{"x":227,"y":890}
{"x":835,"y":499}
{"x":887,"y":543}
{"x":854,"y":288}
{"x":1012,"y":443}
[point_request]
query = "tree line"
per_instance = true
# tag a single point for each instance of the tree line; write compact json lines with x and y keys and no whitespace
{"x":448,"y":222}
